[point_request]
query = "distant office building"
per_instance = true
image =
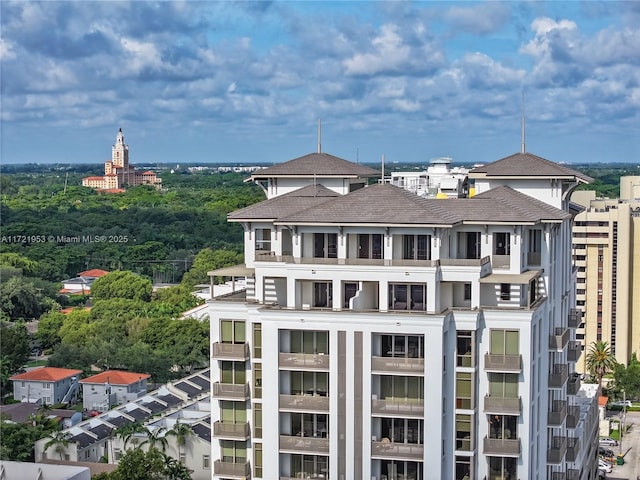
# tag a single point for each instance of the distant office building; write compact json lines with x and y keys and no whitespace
{"x":382,"y":335}
{"x":118,"y":173}
{"x":606,"y":252}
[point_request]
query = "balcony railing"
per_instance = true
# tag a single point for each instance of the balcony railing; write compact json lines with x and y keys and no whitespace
{"x":573,"y":416}
{"x":573,"y":448}
{"x":304,"y":361}
{"x":574,"y":351}
{"x":502,"y":405}
{"x":398,"y":406}
{"x":559,"y":339}
{"x":231,"y":391}
{"x":400,"y":451}
{"x":558,"y":378}
{"x":573,"y":474}
{"x":232,"y":469}
{"x":555,"y":454}
{"x":558,"y":476}
{"x":304,"y":403}
{"x":501,"y":261}
{"x":575,"y":318}
{"x":464,"y":262}
{"x":231,"y":431}
{"x":501,"y":447}
{"x":310,"y":445}
{"x":230,"y":351}
{"x":397,"y":365}
{"x":557,"y":414}
{"x":495,"y":362}
{"x":574,"y":385}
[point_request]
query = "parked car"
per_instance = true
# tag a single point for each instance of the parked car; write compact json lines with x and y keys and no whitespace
{"x":604,"y":466}
{"x":605,"y":452}
{"x":608,"y":442}
{"x":626,"y":403}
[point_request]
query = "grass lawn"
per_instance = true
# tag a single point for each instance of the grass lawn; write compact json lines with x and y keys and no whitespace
{"x":36,"y":363}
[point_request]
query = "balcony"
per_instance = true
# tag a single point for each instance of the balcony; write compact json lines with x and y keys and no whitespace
{"x":557,"y":414}
{"x":501,"y":261}
{"x":501,"y":447}
{"x":494,"y":362}
{"x":231,"y":391}
{"x":231,"y":431}
{"x":559,"y":339}
{"x":574,"y":352}
{"x":404,"y":407}
{"x":502,"y":405}
{"x":399,"y":365}
{"x":308,"y":445}
{"x":304,"y":403}
{"x":558,"y":378}
{"x":575,"y":318}
{"x":558,"y":476}
{"x":555,"y":454}
{"x":573,"y":416}
{"x":398,"y":451}
{"x":303,"y":361}
{"x":231,"y":469}
{"x":574,"y":385}
{"x":238,"y":352}
{"x":573,"y":448}
{"x":573,"y":474}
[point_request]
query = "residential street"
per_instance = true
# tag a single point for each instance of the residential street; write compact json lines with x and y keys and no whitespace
{"x":631,"y":451}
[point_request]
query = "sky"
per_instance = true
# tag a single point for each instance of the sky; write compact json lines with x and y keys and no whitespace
{"x":247,"y":82}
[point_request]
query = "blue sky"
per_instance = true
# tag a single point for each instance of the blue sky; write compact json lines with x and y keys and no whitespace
{"x":197,"y":81}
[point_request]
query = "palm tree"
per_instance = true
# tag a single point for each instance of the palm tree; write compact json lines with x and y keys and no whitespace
{"x":181,"y":431}
{"x":128,"y":431}
{"x":59,"y":441}
{"x":600,"y":361}
{"x":156,"y":435}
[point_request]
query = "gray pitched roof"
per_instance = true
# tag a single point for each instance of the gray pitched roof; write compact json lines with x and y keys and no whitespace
{"x":377,"y":204}
{"x":527,"y":165}
{"x":282,"y":205}
{"x":317,"y":164}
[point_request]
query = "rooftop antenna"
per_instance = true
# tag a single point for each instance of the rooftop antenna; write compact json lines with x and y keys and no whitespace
{"x":357,"y":154}
{"x":383,"y":168}
{"x":522,"y":147}
{"x":319,"y":136}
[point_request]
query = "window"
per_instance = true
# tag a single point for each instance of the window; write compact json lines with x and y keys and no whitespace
{"x":370,"y":246}
{"x":257,"y":380}
{"x":467,"y":292}
{"x":234,"y":451}
{"x":46,"y":386}
{"x":257,"y":340}
{"x":232,"y":331}
{"x":206,"y":462}
{"x":117,"y":454}
{"x":309,"y":383}
{"x":501,"y":245}
{"x":464,"y":468}
{"x":407,"y":296}
{"x":233,"y":373}
{"x":323,"y":294}
{"x":263,"y":239}
{"x":403,"y":346}
{"x":325,"y":245}
{"x":396,"y":386}
{"x":257,"y":459}
{"x":466,"y":348}
{"x":505,"y":291}
{"x":257,"y":420}
{"x":504,"y":342}
{"x":464,"y":432}
{"x":503,"y":385}
{"x":232,"y":412}
{"x":416,"y":247}
{"x":350,"y":290}
{"x":469,"y":245}
{"x":464,"y":390}
{"x":309,"y":341}
{"x":309,"y":425}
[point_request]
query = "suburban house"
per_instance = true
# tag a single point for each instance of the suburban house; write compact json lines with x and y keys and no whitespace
{"x":113,"y":387}
{"x":81,"y":285}
{"x":48,"y":385}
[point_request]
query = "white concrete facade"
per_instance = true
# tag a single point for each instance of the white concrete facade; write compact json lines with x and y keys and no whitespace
{"x":453,"y":365}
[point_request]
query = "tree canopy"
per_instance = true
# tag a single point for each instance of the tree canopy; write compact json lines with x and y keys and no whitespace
{"x":122,"y":284}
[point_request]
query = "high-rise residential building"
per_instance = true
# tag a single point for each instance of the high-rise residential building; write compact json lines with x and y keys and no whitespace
{"x":118,"y":173}
{"x":383,"y":335}
{"x":606,"y":250}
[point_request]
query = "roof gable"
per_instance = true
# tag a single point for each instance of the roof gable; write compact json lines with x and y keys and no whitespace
{"x":316,"y":164}
{"x":527,"y":165}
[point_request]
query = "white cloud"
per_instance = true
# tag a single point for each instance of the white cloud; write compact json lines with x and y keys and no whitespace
{"x":389,"y":54}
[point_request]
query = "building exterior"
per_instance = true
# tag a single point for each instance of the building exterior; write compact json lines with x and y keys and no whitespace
{"x":118,"y":173}
{"x":438,"y":180}
{"x":383,"y":335}
{"x":606,"y":251}
{"x":47,"y":385}
{"x":81,"y":285}
{"x":112,"y":387}
{"x":25,"y":470}
{"x":100,"y":438}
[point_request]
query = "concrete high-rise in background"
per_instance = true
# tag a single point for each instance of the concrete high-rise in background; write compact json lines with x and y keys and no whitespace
{"x":606,"y":252}
{"x":382,"y":335}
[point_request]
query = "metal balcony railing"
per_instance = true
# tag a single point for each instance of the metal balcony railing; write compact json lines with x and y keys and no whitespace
{"x":575,"y":318}
{"x":557,"y":414}
{"x":230,"y":391}
{"x":502,"y":405}
{"x":495,"y":362}
{"x":413,"y":407}
{"x":304,"y":361}
{"x":395,"y":450}
{"x":558,"y":378}
{"x":309,"y":445}
{"x":574,"y":385}
{"x":574,"y":351}
{"x":306,"y":403}
{"x":501,"y":447}
{"x":573,"y":416}
{"x":573,"y":448}
{"x":397,"y":365}
{"x":230,"y":351}
{"x":559,"y":339}
{"x":231,"y":431}
{"x":232,"y":469}
{"x":556,"y":452}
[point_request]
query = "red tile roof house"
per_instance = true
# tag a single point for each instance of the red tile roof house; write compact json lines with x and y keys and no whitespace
{"x":82,"y":283}
{"x":113,"y":387}
{"x":48,"y":385}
